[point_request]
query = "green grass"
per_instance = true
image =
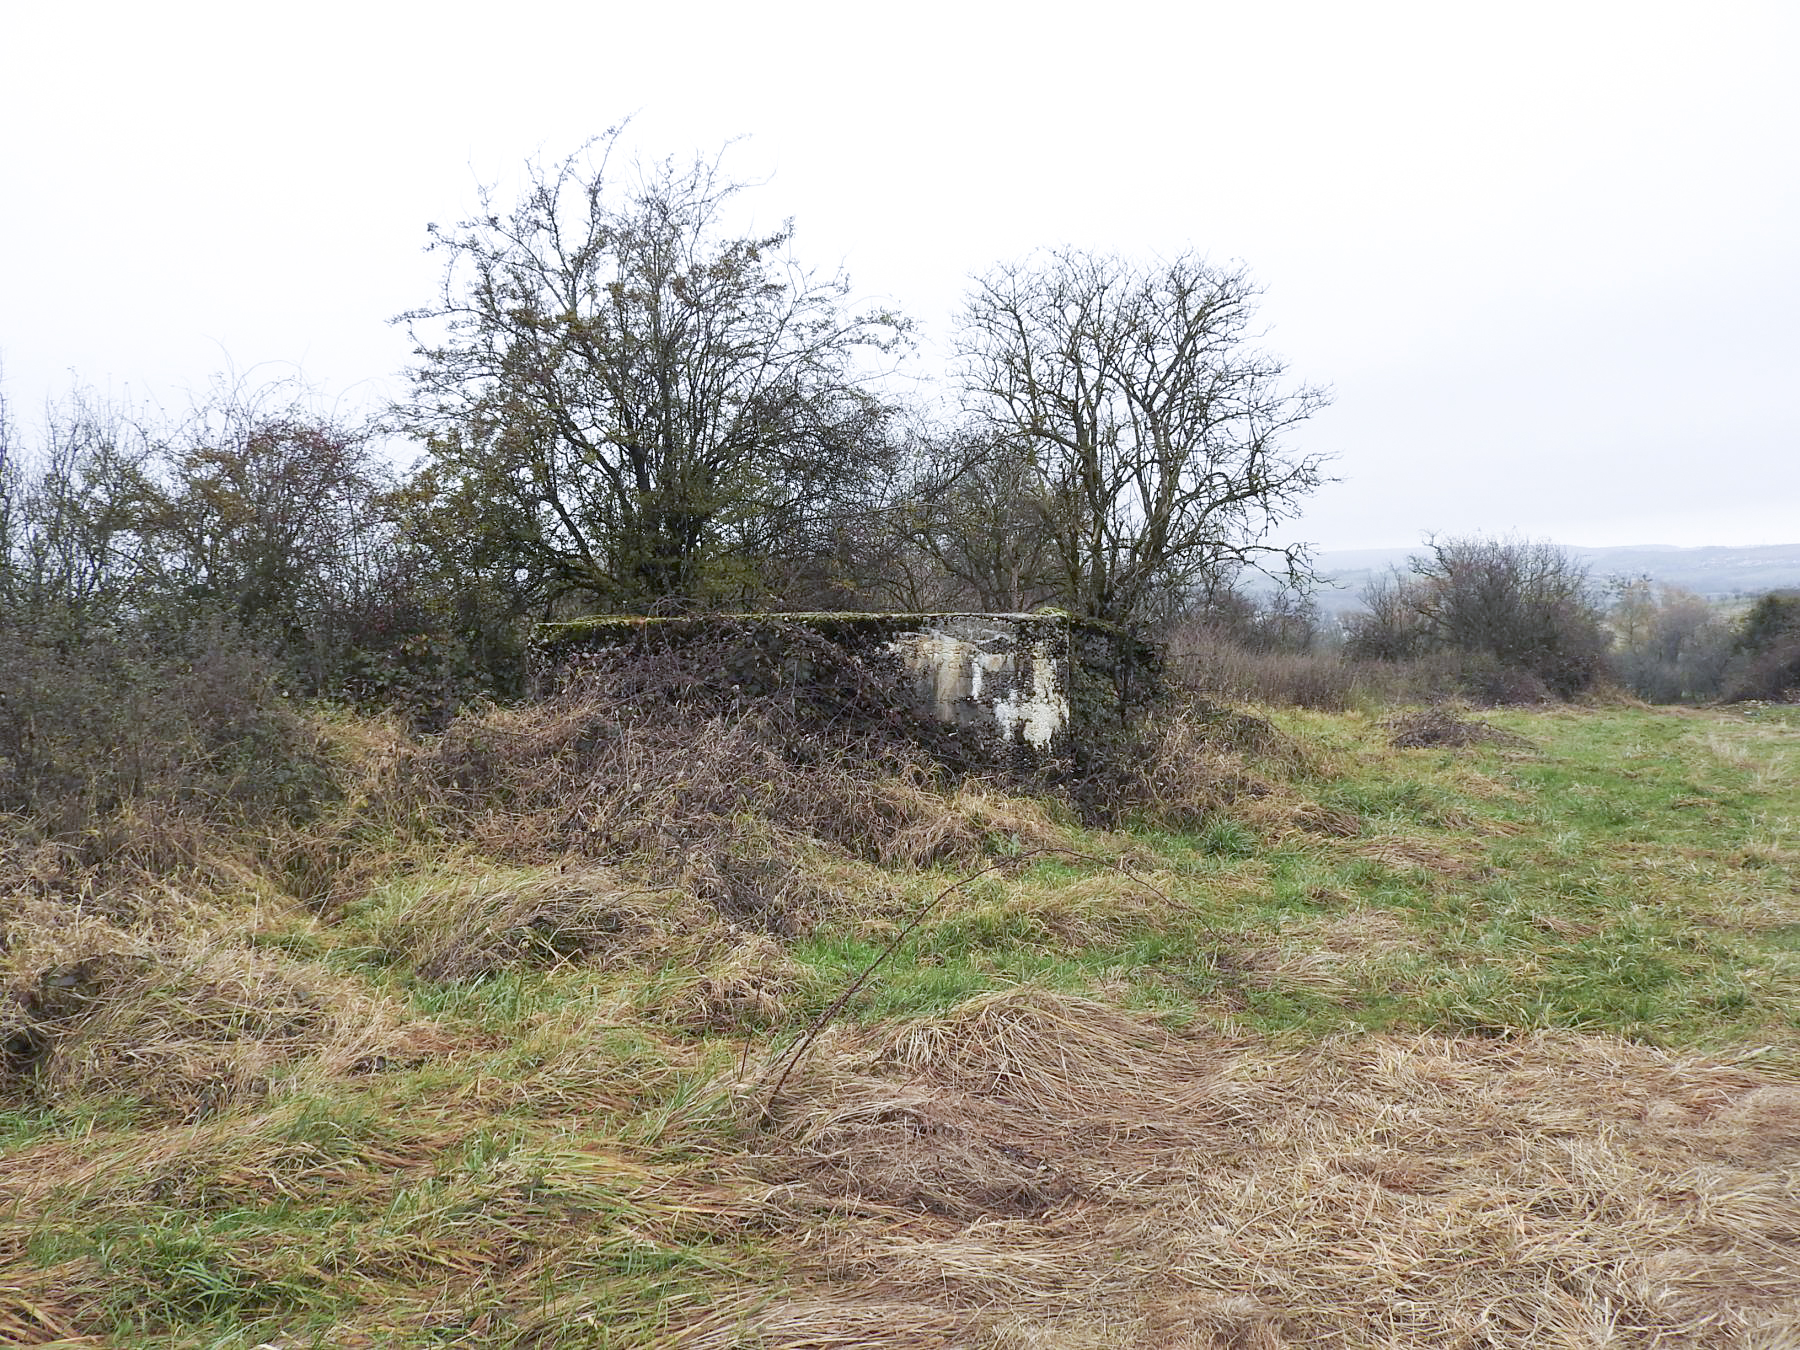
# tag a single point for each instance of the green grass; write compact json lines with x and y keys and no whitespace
{"x":559,"y":1170}
{"x":1629,"y":876}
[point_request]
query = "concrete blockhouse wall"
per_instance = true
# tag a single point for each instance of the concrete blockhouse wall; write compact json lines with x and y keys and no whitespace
{"x":1031,"y":681}
{"x":1007,"y":674}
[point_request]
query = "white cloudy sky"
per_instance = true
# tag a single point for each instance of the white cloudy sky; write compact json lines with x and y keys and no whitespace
{"x":1547,"y":255}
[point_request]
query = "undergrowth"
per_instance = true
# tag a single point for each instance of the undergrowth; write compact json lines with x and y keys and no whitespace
{"x":1327,"y":1030}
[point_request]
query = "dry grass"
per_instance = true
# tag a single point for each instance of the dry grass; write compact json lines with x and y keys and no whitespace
{"x":1408,"y":854}
{"x":146,"y":984}
{"x":465,"y":921}
{"x":183,"y":1024}
{"x":668,"y":959}
{"x":1201,"y":760}
{"x":501,"y":1083}
{"x":747,"y":809}
{"x":1073,"y":912}
{"x":423,"y":1225}
{"x":743,"y":984}
{"x":1036,"y":1169}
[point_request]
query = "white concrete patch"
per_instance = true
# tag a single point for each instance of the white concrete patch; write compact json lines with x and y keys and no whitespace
{"x":983,"y":670}
{"x":1037,"y":714}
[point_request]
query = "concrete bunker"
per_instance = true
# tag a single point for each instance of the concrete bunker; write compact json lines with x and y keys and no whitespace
{"x":1005,"y":674}
{"x":1031,"y":682}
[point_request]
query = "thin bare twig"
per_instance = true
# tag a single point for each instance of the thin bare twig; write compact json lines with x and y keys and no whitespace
{"x":906,"y":930}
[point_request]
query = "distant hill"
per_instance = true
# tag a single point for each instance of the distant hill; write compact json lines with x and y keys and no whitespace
{"x":1716,"y":573}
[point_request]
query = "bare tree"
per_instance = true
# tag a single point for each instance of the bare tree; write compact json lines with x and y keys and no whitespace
{"x":1146,"y":428}
{"x":975,"y":509}
{"x":11,"y":488}
{"x":1521,"y":606}
{"x":75,"y":545}
{"x":643,"y":403}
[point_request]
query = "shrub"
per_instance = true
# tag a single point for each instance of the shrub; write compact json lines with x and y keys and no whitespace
{"x":732,"y":771}
{"x":1766,"y":660}
{"x":260,"y":513}
{"x":108,"y":732}
{"x":1671,"y":645}
{"x":1518,"y":613}
{"x":1770,"y":620}
{"x":1209,"y":663}
{"x":1443,"y":725}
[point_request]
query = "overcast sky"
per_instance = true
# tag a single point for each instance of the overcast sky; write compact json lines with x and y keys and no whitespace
{"x":1546,"y":255}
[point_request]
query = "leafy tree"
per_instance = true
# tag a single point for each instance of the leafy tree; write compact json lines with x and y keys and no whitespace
{"x":636,"y":405}
{"x":1147,"y":431}
{"x":287,"y":523}
{"x":272,"y":514}
{"x":256,"y":522}
{"x":119,"y":682}
{"x":1773,"y":617}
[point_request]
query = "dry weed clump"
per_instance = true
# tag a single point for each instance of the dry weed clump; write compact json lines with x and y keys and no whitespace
{"x":1200,"y":759}
{"x":745,"y":983}
{"x":737,"y":792}
{"x":1442,"y":724}
{"x":973,"y":821}
{"x":994,"y":1110}
{"x":1201,"y":763}
{"x":1402,"y":853}
{"x":464,"y":922}
{"x":1100,"y":908}
{"x":1036,"y":1169}
{"x":181,"y":1023}
{"x":1327,"y":957}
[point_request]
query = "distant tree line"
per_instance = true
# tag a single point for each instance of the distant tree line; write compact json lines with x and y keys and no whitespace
{"x":1523,"y":620}
{"x":620,"y":405}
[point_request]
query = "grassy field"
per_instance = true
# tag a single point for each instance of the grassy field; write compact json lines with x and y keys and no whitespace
{"x":1459,"y":1045}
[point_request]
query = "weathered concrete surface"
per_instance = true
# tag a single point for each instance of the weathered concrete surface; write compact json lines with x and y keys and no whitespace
{"x":1004,"y":673}
{"x":1035,"y":682}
